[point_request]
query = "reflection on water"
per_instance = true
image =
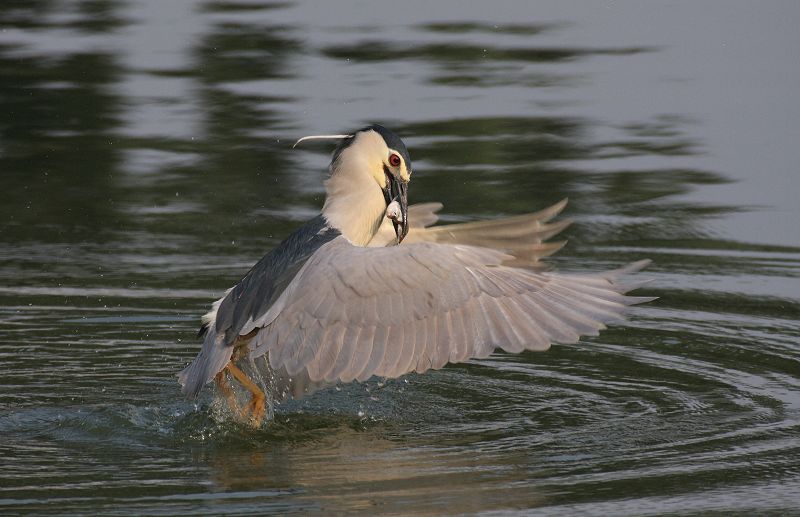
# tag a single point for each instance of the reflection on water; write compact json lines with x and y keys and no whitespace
{"x":145,"y":153}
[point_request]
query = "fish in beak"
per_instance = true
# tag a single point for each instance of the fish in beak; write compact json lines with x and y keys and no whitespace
{"x":396,"y":195}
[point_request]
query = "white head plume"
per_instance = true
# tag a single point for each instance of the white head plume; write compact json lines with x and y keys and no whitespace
{"x":321,"y":137}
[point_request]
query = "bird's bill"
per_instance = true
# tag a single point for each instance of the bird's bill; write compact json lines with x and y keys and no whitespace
{"x":397,"y":190}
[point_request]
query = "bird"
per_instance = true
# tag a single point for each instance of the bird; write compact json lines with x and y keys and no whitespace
{"x":371,"y":287}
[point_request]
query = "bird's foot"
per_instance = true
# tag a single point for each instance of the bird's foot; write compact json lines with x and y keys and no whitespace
{"x":226,"y":391}
{"x":257,"y":408}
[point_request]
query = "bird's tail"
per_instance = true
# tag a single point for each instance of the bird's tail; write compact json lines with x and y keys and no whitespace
{"x":209,"y":362}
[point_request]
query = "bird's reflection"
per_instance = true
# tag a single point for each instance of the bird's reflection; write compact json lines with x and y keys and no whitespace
{"x":340,"y":468}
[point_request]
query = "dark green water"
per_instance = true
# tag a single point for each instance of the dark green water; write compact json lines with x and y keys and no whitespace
{"x":146,"y":163}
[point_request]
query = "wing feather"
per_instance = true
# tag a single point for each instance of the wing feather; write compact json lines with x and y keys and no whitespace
{"x":379,"y":345}
{"x":444,"y":342}
{"x":349,"y":343}
{"x":458,"y":346}
{"x":329,"y":353}
{"x":316,"y":367}
{"x":304,"y":354}
{"x":356,"y":312}
{"x":391,"y":356}
{"x":421,"y":353}
{"x":593,"y":310}
{"x":404,"y":339}
{"x":485,"y":310}
{"x":362,"y":353}
{"x":535,"y":337}
{"x":475,"y":331}
{"x":550,"y":322}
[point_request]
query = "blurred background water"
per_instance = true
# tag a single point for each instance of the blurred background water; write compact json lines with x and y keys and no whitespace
{"x":146,"y":163}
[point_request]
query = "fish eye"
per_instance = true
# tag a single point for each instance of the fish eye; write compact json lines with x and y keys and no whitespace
{"x":394,"y":160}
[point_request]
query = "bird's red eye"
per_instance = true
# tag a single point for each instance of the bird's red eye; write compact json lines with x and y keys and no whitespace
{"x":394,"y":160}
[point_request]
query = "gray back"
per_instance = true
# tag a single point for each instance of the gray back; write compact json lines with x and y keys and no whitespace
{"x":252,"y":297}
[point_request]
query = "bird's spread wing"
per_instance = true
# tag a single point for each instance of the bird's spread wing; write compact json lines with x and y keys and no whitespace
{"x":522,"y":236}
{"x":354,"y":312}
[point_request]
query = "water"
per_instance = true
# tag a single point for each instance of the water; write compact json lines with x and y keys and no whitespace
{"x":146,"y":164}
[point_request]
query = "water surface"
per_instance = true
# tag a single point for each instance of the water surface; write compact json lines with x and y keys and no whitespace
{"x":146,"y":160}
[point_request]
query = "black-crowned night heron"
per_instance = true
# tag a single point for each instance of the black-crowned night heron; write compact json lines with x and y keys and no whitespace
{"x":341,"y":299}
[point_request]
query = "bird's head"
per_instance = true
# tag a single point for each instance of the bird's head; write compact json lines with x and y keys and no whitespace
{"x":369,"y":170}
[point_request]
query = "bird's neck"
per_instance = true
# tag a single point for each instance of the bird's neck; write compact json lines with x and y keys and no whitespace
{"x":355,"y":206}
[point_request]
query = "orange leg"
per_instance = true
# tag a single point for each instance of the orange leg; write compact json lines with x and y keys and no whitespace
{"x":225,"y":389}
{"x":257,"y":405}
